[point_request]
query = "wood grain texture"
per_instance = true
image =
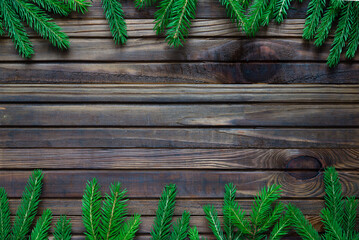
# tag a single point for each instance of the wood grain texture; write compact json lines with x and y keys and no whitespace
{"x":178,"y":93}
{"x":190,"y":184}
{"x":195,"y":49}
{"x":181,"y":73}
{"x":216,"y":159}
{"x":175,"y":115}
{"x":178,"y":138}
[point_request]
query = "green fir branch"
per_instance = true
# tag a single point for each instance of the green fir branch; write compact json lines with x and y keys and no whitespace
{"x":314,"y":14}
{"x":269,"y":13}
{"x":113,"y":212}
{"x":256,"y":12}
{"x":281,"y":9}
{"x":27,"y":210}
{"x":161,"y":227}
{"x":40,"y":231}
{"x":229,"y":200}
{"x":163,"y":15}
{"x":91,"y":204}
{"x":55,"y":6}
{"x":15,"y":29}
{"x":41,"y":23}
{"x":1,"y":25}
{"x":115,"y":16}
{"x":301,"y":225}
{"x":144,"y":3}
{"x":63,"y":229}
{"x":80,"y":6}
{"x":235,"y":11}
{"x":341,"y":34}
{"x":331,"y":225}
{"x":4,"y":215}
{"x":349,"y":217}
{"x":353,"y":41}
{"x":130,"y":227}
{"x":281,"y":228}
{"x":179,"y":24}
{"x":238,"y":218}
{"x":213,"y":221}
{"x":325,"y":26}
{"x":180,"y":229}
{"x":272,"y":218}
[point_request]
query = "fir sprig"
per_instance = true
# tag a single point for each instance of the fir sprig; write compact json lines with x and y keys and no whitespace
{"x":281,"y":9}
{"x":130,"y":227}
{"x":55,"y":6}
{"x":40,"y":231}
{"x":162,"y":223}
{"x":80,"y":6}
{"x":4,"y":215}
{"x":255,"y":15}
{"x":179,"y":23}
{"x":213,"y":221}
{"x":314,"y":14}
{"x":180,"y":228}
{"x":163,"y":15}
{"x":115,"y":16}
{"x":27,"y":210}
{"x":63,"y":229}
{"x":235,"y":11}
{"x":353,"y":41}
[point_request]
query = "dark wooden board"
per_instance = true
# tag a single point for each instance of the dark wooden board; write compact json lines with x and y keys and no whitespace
{"x":171,"y":73}
{"x":178,"y":138}
{"x":178,"y":93}
{"x":157,"y":50}
{"x":190,"y":184}
{"x":175,"y":115}
{"x":215,"y":159}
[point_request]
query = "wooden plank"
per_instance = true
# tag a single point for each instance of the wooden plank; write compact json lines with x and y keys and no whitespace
{"x":178,"y":93}
{"x":199,"y":28}
{"x":176,"y":115}
{"x":190,"y":183}
{"x":157,"y":50}
{"x":139,"y":158}
{"x":205,"y":9}
{"x":181,"y":73}
{"x":178,"y":138}
{"x":148,"y":207}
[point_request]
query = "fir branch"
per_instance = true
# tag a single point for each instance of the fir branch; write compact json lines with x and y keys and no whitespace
{"x":113,"y":212}
{"x":193,"y":233}
{"x":180,"y":229}
{"x":1,"y":25}
{"x":4,"y":215}
{"x":331,"y":225}
{"x":163,"y":15}
{"x":262,"y":206}
{"x":281,"y":9}
{"x":229,"y":198}
{"x":349,"y":217}
{"x":91,"y":204}
{"x":341,"y":34}
{"x":281,"y":228}
{"x":114,"y":15}
{"x":235,"y":12}
{"x":238,"y":218}
{"x":353,"y":41}
{"x":144,"y":3}
{"x":55,"y":6}
{"x":63,"y":229}
{"x":40,"y":231}
{"x":80,"y":6}
{"x":15,"y":29}
{"x":213,"y":221}
{"x":256,"y":12}
{"x":130,"y":227}
{"x":272,"y":218}
{"x":41,"y":23}
{"x":269,"y":13}
{"x":161,"y":227}
{"x":183,"y":12}
{"x":27,"y":210}
{"x":301,"y":225}
{"x":314,"y":14}
{"x":325,"y":25}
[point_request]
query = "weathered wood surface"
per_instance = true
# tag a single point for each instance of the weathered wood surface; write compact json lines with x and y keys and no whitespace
{"x":178,"y":93}
{"x":214,"y":159}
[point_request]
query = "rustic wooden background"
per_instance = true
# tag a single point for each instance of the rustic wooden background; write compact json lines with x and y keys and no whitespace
{"x":148,"y":115}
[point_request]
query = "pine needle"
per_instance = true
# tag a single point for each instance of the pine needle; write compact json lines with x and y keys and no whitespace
{"x":314,"y":14}
{"x":281,"y":9}
{"x":229,"y":200}
{"x":130,"y":227}
{"x":213,"y":221}
{"x":331,"y":225}
{"x":63,"y":229}
{"x":113,"y":212}
{"x":4,"y":215}
{"x":281,"y":228}
{"x":40,"y":231}
{"x":349,"y":218}
{"x":41,"y":23}
{"x":161,"y":227}
{"x":272,"y":218}
{"x":27,"y":210}
{"x":341,"y":34}
{"x":180,"y":228}
{"x":269,"y":13}
{"x":15,"y":29}
{"x":255,"y":15}
{"x":301,"y":225}
{"x":193,"y":233}
{"x":235,"y":12}
{"x":114,"y":15}
{"x":325,"y":25}
{"x":353,"y":41}
{"x":179,"y":24}
{"x":91,"y":204}
{"x":163,"y":15}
